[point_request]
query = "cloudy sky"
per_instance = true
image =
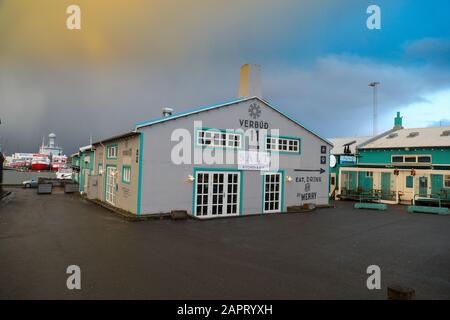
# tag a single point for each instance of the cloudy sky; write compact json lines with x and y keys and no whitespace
{"x":133,"y":57}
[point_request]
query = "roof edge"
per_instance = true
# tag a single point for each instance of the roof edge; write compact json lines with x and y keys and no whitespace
{"x":220,"y":105}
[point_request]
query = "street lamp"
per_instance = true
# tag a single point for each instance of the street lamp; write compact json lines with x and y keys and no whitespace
{"x":375,"y":85}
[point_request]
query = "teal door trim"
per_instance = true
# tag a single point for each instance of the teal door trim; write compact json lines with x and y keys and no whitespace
{"x":282,"y":189}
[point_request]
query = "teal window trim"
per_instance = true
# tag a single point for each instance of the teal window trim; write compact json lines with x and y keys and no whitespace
{"x":109,"y":146}
{"x":266,"y":136}
{"x":194,"y":186}
{"x":240,"y":132}
{"x":123,"y":171}
{"x":282,"y":189}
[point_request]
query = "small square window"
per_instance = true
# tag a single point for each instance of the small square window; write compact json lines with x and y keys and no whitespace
{"x":323,"y":149}
{"x":447,"y":181}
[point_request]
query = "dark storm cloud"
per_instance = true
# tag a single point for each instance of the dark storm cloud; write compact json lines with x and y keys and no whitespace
{"x":136,"y":57}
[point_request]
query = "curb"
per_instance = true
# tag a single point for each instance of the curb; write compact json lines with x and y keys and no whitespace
{"x":126,"y":215}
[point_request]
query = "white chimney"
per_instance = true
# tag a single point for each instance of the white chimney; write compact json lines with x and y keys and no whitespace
{"x":250,"y":81}
{"x":167,"y":112}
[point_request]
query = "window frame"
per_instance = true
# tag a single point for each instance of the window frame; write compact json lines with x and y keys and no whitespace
{"x":100,"y":166}
{"x":288,"y":139}
{"x":124,"y":168}
{"x":446,"y":179}
{"x":112,"y":147}
{"x":201,"y":134}
{"x":415,"y":156}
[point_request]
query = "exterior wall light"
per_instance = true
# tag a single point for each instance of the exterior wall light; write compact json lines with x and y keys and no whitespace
{"x":190,"y":178}
{"x":289,"y":179}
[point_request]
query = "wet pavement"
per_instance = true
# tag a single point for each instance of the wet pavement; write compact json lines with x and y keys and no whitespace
{"x":320,"y":255}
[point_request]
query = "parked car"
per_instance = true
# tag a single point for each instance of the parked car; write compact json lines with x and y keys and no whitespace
{"x":33,"y":183}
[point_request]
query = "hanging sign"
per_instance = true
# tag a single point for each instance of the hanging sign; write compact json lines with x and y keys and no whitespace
{"x":253,"y":160}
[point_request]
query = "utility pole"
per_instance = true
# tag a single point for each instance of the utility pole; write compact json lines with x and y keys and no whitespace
{"x":374,"y":86}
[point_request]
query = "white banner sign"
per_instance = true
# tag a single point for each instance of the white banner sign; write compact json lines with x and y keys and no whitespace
{"x":253,"y":160}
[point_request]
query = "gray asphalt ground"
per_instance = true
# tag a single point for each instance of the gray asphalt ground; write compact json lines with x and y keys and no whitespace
{"x":320,"y":255}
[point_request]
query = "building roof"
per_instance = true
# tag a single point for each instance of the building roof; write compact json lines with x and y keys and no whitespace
{"x":85,"y":148}
{"x":225,"y":104}
{"x":353,"y":142}
{"x":120,"y":136}
{"x":411,"y":138}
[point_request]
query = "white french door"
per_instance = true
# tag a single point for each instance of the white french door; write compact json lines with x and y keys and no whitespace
{"x":272,"y":192}
{"x":217,"y":193}
{"x":111,"y":180}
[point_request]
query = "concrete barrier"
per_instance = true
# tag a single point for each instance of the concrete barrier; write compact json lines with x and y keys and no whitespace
{"x":371,"y":206}
{"x":44,"y":188}
{"x":424,"y":209}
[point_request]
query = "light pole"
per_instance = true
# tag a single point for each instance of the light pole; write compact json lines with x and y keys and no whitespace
{"x":375,"y":85}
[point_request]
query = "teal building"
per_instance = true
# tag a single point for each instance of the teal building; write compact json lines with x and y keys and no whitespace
{"x":401,"y":166}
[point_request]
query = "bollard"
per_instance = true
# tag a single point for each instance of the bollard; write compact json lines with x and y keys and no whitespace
{"x":400,"y":293}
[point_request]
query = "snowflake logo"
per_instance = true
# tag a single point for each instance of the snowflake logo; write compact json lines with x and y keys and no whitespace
{"x":254,"y":111}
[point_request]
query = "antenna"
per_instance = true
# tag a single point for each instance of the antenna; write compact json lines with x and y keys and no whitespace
{"x":375,"y":85}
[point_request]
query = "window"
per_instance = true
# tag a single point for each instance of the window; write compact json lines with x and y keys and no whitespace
{"x":447,"y":181}
{"x":100,"y":169}
{"x":369,"y":174}
{"x":281,"y":144}
{"x":411,"y":159}
{"x":219,"y":139}
{"x":111,"y":152}
{"x":126,"y":174}
{"x":398,"y":159}
{"x":424,"y":159}
{"x":409,"y":181}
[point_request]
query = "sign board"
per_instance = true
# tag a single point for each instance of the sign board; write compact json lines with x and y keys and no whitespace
{"x":332,"y":161}
{"x":253,"y":160}
{"x":347,"y":160}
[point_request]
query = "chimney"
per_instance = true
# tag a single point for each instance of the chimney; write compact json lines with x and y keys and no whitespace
{"x":167,"y":112}
{"x":398,"y":122}
{"x":250,"y":81}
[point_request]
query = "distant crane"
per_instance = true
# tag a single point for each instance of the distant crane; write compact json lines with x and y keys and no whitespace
{"x":375,"y":85}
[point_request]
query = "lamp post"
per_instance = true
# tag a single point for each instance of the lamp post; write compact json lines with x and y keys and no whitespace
{"x":374,"y":86}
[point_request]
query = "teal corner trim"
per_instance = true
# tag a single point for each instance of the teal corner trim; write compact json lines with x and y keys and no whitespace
{"x":282,"y":189}
{"x":123,"y":169}
{"x":108,"y":146}
{"x":283,"y":137}
{"x":241,"y":186}
{"x":185,"y":113}
{"x":141,"y":150}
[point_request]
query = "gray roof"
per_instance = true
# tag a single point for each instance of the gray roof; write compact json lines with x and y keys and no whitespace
{"x":339,"y":143}
{"x":411,"y":138}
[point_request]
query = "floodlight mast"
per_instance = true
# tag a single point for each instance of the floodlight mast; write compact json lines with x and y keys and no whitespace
{"x":375,"y":85}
